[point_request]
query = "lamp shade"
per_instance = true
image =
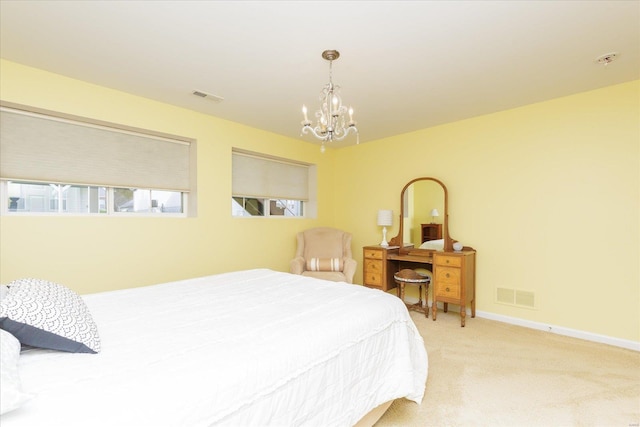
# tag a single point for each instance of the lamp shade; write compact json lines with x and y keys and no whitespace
{"x":434,"y":212}
{"x":385,"y":218}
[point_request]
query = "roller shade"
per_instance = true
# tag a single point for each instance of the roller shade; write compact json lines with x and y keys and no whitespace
{"x":35,"y":147}
{"x":262,"y":177}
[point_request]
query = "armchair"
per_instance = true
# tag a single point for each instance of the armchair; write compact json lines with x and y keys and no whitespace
{"x":324,"y":253}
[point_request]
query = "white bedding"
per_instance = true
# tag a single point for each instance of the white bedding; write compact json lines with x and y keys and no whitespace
{"x":436,"y":245}
{"x":256,"y":347}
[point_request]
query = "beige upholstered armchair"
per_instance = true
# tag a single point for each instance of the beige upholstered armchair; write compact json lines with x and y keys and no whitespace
{"x":324,"y":253}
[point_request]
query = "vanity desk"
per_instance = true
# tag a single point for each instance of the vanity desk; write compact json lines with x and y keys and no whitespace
{"x":453,"y":274}
{"x":453,"y":278}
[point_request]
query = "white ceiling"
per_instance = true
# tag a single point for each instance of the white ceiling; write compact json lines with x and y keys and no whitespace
{"x":404,"y":65}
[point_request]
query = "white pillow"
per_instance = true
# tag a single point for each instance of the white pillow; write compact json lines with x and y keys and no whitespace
{"x":3,"y":291}
{"x":48,"y":315}
{"x":11,"y":394}
{"x":435,"y":245}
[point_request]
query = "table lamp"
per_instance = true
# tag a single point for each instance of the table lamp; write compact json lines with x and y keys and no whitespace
{"x":385,"y":219}
{"x":434,"y":214}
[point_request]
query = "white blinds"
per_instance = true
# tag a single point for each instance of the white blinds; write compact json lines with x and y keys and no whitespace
{"x":36,"y":147}
{"x":263,"y":177}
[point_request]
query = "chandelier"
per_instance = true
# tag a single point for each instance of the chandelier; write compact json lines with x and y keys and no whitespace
{"x":331,"y":123}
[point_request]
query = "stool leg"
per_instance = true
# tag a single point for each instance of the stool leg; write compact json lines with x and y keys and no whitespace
{"x":426,"y":300}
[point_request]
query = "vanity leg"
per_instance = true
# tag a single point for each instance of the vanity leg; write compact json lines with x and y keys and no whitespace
{"x":463,"y":315}
{"x":446,"y":307}
{"x":434,"y":309}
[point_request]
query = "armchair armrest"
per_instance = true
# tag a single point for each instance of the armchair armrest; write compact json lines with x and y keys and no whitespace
{"x":350,"y":266}
{"x":296,"y":265}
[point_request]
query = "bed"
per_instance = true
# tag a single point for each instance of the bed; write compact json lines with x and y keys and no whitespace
{"x":247,"y":348}
{"x":435,"y":245}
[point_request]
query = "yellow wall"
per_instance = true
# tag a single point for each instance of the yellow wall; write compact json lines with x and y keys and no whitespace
{"x":548,"y":194}
{"x":92,"y":254}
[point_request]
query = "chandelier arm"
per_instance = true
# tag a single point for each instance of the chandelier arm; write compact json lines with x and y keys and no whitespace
{"x":319,"y":135}
{"x":347,"y":131}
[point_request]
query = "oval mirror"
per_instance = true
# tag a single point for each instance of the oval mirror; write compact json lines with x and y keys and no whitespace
{"x":424,"y":217}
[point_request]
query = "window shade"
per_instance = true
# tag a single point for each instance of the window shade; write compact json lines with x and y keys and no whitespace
{"x":36,"y":147}
{"x":263,"y":177}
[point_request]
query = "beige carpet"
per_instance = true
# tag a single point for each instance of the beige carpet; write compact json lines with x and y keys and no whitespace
{"x":495,"y":374}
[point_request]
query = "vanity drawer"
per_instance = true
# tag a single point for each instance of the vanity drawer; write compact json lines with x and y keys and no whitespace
{"x":448,"y":290}
{"x":448,"y":275}
{"x":372,"y":253}
{"x":447,"y":260}
{"x":373,"y":279}
{"x":372,"y":266}
{"x":373,"y":272}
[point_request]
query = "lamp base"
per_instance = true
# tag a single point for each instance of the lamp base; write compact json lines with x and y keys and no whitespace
{"x":384,"y":237}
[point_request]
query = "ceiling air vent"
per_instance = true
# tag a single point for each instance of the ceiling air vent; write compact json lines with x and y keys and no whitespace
{"x":208,"y":96}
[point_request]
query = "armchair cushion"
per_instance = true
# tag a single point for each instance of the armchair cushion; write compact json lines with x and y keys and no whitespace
{"x":325,"y":264}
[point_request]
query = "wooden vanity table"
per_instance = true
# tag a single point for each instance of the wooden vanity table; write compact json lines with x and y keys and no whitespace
{"x":454,"y":272}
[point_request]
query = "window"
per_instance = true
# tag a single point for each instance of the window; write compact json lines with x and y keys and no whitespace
{"x":55,"y":198}
{"x":265,"y":186}
{"x":250,"y":206}
{"x":146,"y":201}
{"x":55,"y":164}
{"x":29,"y":197}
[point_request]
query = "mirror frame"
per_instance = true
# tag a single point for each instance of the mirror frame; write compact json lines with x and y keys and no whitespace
{"x":398,"y":240}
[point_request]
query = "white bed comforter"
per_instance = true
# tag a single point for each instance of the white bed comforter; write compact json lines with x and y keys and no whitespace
{"x":249,"y":348}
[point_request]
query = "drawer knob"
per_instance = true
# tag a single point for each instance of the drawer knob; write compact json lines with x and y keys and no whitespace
{"x":446,"y":289}
{"x":447,"y":275}
{"x":447,"y":261}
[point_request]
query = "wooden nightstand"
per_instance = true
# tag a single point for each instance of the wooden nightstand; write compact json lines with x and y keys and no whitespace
{"x":431,"y":232}
{"x":454,"y":281}
{"x":376,"y":271}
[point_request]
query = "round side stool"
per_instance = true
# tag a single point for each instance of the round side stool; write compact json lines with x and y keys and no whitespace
{"x":412,"y":277}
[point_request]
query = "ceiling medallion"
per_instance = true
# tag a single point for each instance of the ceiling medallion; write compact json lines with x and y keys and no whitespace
{"x":607,"y":58}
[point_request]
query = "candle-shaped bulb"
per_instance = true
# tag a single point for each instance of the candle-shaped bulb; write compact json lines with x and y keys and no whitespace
{"x":351,"y":114}
{"x":304,"y":111}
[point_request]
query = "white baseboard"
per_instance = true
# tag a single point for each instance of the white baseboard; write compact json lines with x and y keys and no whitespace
{"x":560,"y":330}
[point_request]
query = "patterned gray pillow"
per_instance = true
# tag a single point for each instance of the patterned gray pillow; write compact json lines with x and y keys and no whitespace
{"x":48,"y":315}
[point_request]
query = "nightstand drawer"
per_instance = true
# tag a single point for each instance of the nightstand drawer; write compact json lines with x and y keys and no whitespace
{"x":451,"y":261}
{"x":372,"y":253}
